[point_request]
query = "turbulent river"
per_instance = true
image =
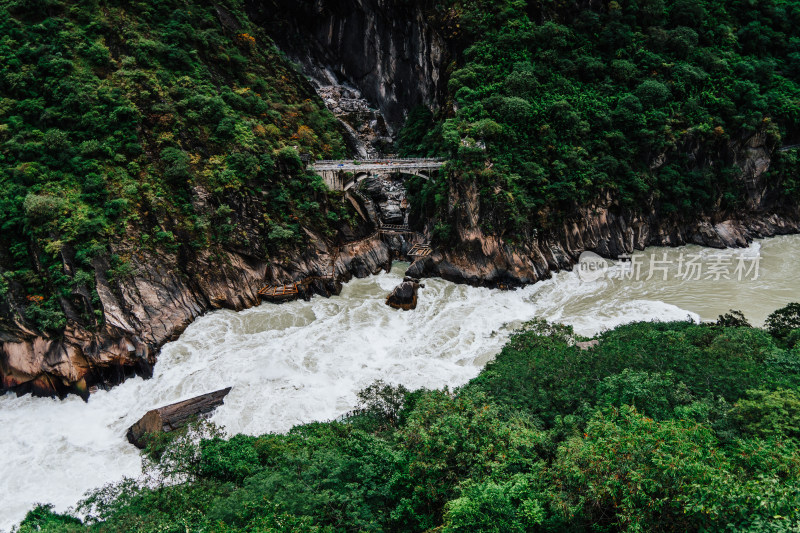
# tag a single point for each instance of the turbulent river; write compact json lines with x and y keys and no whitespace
{"x":305,"y":361}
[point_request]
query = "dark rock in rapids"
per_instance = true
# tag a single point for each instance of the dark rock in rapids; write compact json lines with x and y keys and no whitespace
{"x":174,"y":416}
{"x":404,"y":296}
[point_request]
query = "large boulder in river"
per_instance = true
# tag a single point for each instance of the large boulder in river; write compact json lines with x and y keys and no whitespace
{"x":174,"y":416}
{"x":404,"y":296}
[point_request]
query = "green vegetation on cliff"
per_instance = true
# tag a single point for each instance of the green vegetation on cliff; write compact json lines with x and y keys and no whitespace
{"x":650,"y":102}
{"x":117,"y":118}
{"x":660,"y":427}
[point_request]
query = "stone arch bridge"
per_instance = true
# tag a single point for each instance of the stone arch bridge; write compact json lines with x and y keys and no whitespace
{"x":341,"y":175}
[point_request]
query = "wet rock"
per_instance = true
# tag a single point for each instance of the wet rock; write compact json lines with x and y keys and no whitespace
{"x":408,"y":279}
{"x":420,"y":268}
{"x":391,"y":213}
{"x":174,"y":416}
{"x":404,"y":296}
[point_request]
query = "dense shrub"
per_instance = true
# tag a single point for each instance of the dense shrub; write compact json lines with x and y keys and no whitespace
{"x":606,"y":99}
{"x":782,"y":322}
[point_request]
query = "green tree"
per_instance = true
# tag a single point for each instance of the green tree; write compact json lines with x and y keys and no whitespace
{"x":780,"y":323}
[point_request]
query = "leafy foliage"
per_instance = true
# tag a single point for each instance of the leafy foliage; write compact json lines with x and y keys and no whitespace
{"x":116,"y":117}
{"x":733,"y":319}
{"x":559,"y":104}
{"x":782,"y":322}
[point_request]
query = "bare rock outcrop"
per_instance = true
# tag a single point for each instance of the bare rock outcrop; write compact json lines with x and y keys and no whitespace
{"x":488,"y":260}
{"x":610,"y":230}
{"x":404,"y":296}
{"x":174,"y":416}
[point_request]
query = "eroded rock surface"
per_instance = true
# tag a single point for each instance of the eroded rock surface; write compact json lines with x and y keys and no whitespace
{"x":389,"y":195}
{"x":404,"y":296}
{"x":174,"y":416}
{"x":610,"y":230}
{"x":388,"y":50}
{"x":162,"y":296}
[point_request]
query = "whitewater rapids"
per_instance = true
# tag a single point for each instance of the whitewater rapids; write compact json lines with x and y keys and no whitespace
{"x":305,"y":361}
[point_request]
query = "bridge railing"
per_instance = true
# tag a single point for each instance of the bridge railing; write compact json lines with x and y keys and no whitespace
{"x":411,"y":160}
{"x":387,"y":166}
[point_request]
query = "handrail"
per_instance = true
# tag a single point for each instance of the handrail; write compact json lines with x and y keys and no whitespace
{"x":377,"y":161}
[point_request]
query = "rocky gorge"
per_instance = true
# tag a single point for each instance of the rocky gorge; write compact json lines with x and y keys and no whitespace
{"x":371,"y":62}
{"x":167,"y":292}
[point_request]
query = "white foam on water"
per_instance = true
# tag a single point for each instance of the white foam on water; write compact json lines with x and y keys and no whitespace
{"x":305,"y":361}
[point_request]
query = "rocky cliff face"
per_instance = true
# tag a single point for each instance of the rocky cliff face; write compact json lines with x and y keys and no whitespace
{"x":164,"y":294}
{"x":488,"y":260}
{"x":611,"y":231}
{"x":385,"y":49}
